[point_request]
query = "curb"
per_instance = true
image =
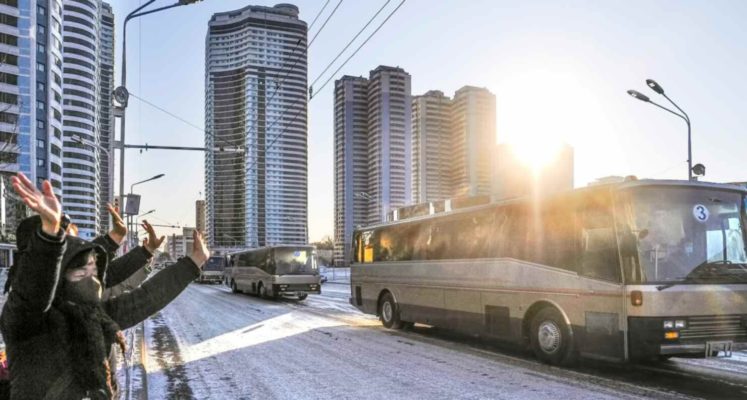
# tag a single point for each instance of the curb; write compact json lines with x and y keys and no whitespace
{"x":136,"y":365}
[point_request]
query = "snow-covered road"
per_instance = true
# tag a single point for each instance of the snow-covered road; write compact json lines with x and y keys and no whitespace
{"x":212,"y":344}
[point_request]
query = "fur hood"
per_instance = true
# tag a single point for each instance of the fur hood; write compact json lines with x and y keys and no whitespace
{"x":76,"y":245}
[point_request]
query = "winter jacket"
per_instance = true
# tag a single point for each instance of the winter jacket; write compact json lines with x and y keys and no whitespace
{"x":122,"y":268}
{"x":36,"y":331}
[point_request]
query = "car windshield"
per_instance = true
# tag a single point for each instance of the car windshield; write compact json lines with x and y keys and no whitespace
{"x":214,"y":264}
{"x":289,"y":261}
{"x":687,"y":235}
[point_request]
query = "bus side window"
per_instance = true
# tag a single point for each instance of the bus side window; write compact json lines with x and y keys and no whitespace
{"x":561,"y":244}
{"x":599,"y":257}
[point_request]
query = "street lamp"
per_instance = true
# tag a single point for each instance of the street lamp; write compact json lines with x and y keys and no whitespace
{"x":135,"y":236}
{"x":120,"y":93}
{"x":658,"y":89}
{"x":80,"y":140}
{"x":129,"y":217}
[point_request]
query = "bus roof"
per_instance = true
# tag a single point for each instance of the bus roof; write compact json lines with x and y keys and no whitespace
{"x":277,"y":246}
{"x":592,"y":189}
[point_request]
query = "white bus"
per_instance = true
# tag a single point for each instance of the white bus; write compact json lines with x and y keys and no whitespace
{"x":630,"y":271}
{"x":275,"y":271}
{"x":212,"y":271}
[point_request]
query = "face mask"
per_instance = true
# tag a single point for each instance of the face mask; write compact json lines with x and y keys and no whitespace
{"x":84,"y":291}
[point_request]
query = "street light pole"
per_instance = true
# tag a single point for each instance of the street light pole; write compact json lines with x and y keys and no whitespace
{"x":129,"y":217}
{"x":121,"y":94}
{"x":658,"y":89}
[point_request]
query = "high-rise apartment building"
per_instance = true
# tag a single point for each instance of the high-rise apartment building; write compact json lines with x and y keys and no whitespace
{"x":351,"y":162}
{"x":200,"y":222}
{"x":373,"y":151}
{"x":432,"y":152}
{"x":81,"y":172}
{"x":473,"y":141}
{"x":255,"y":118}
{"x":30,"y":95}
{"x":389,"y":141}
{"x":106,"y":115}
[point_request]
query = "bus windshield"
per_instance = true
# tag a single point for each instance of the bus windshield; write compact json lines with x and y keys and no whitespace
{"x":290,"y":261}
{"x":214,"y":264}
{"x":687,"y":235}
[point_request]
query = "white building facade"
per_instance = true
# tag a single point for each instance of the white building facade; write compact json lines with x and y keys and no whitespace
{"x":81,"y":172}
{"x":255,"y":118}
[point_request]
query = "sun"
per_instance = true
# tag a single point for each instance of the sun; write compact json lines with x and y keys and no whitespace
{"x":536,"y":153}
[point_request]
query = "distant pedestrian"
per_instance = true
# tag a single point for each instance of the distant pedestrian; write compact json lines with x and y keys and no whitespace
{"x":57,"y":330}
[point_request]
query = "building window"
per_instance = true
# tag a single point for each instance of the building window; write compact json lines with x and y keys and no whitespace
{"x":41,"y":48}
{"x":41,"y":10}
{"x":40,"y":105}
{"x":8,"y":39}
{"x":56,"y":26}
{"x":41,"y":87}
{"x":41,"y":30}
{"x":40,"y":67}
{"x":39,"y":162}
{"x":41,"y":144}
{"x":8,"y":59}
{"x":10,"y":20}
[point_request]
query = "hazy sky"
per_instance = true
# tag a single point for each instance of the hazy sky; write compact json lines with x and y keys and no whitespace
{"x":559,"y":71}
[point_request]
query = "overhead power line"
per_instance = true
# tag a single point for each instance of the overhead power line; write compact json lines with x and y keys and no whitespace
{"x":319,"y":13}
{"x":349,"y":43}
{"x":324,"y":24}
{"x":359,"y":47}
{"x":295,"y":117}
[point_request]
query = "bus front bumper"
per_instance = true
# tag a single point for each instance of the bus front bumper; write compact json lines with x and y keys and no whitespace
{"x":701,"y":336}
{"x":297,"y":288}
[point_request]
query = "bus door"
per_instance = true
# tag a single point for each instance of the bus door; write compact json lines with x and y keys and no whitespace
{"x":601,"y":330}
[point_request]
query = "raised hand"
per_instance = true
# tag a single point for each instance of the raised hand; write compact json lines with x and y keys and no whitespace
{"x":152,"y":242}
{"x":200,"y":252}
{"x":44,"y":203}
{"x":119,"y":229}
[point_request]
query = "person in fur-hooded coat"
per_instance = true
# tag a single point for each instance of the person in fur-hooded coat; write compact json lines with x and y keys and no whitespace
{"x":58,"y":331}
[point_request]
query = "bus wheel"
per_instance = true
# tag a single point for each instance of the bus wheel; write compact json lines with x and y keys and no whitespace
{"x":551,"y":338}
{"x":389,"y":312}
{"x":234,"y":288}
{"x":303,"y":296}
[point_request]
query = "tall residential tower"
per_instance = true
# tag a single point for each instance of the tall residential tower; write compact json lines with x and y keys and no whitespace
{"x":473,"y":141}
{"x":373,"y":151}
{"x":106,"y":115}
{"x":389,"y":141}
{"x":255,"y":118}
{"x":432,"y":152}
{"x":351,"y":162}
{"x":81,"y":172}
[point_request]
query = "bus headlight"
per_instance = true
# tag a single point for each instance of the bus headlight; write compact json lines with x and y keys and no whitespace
{"x":675,"y":324}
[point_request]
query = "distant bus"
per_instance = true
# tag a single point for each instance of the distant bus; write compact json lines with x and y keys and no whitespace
{"x":629,"y":271}
{"x":212,"y":272}
{"x":275,"y":271}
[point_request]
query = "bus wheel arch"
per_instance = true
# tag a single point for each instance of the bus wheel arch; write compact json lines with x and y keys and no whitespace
{"x":387,"y":308}
{"x":557,"y":346}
